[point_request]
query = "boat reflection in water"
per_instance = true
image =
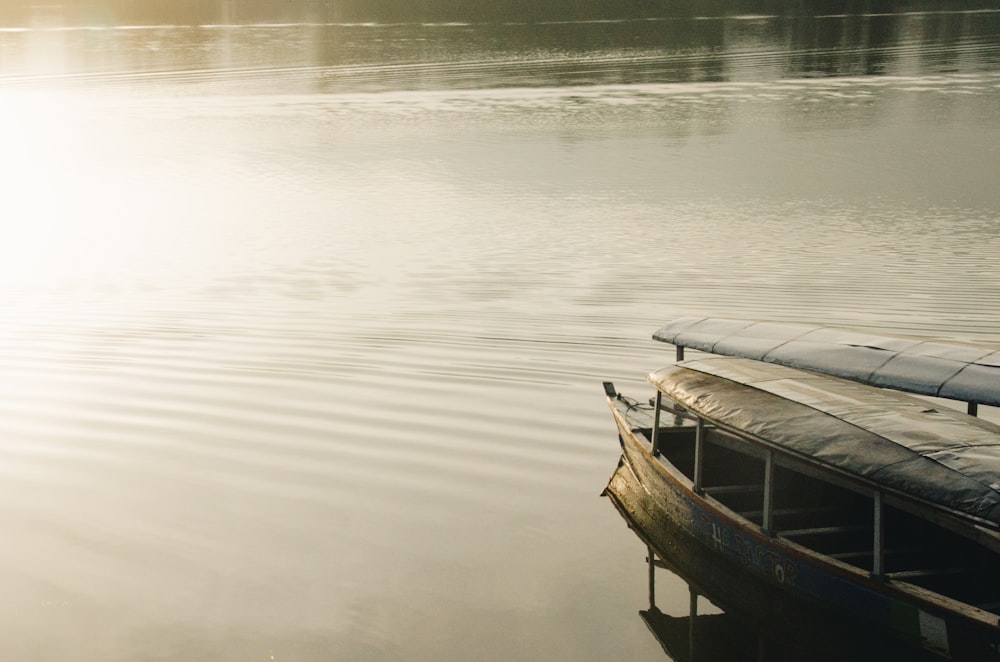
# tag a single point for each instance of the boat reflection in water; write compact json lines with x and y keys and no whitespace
{"x":750,"y":622}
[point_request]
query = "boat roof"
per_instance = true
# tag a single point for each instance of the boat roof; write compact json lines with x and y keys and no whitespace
{"x":929,"y":367}
{"x":894,"y":441}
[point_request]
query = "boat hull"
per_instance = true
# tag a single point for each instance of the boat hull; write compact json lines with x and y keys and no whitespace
{"x":661,"y":502}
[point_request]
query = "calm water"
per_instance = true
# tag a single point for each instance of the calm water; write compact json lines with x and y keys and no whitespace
{"x":306,"y":312}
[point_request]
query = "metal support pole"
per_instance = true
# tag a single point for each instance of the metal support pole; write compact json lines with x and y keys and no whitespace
{"x":699,"y":454}
{"x":767,"y":520}
{"x":878,"y":551}
{"x":680,"y":353}
{"x":651,"y":555}
{"x":656,"y":423}
{"x":973,"y":409}
{"x":692,"y":619}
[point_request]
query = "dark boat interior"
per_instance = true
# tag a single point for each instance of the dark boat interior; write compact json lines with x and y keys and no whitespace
{"x":832,"y":519}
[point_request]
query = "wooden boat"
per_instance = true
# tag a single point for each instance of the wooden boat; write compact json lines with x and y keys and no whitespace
{"x":870,"y":505}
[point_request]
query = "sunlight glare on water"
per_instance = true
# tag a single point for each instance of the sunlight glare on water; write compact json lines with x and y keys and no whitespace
{"x":43,"y":156}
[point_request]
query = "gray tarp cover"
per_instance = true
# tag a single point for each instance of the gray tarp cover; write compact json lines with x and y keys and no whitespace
{"x":903,"y":443}
{"x":961,"y":372}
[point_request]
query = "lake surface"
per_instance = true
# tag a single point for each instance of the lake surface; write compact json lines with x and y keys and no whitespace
{"x":306,"y":311}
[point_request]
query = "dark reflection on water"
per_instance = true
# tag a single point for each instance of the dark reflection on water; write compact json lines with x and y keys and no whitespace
{"x":731,"y":617}
{"x":748,"y":633}
{"x":723,"y":45}
{"x":196,"y":12}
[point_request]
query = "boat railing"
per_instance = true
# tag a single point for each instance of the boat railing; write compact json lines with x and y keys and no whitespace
{"x":773,"y":458}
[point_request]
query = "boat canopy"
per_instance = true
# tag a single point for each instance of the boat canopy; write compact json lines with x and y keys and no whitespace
{"x":961,"y":372}
{"x":893,"y":441}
